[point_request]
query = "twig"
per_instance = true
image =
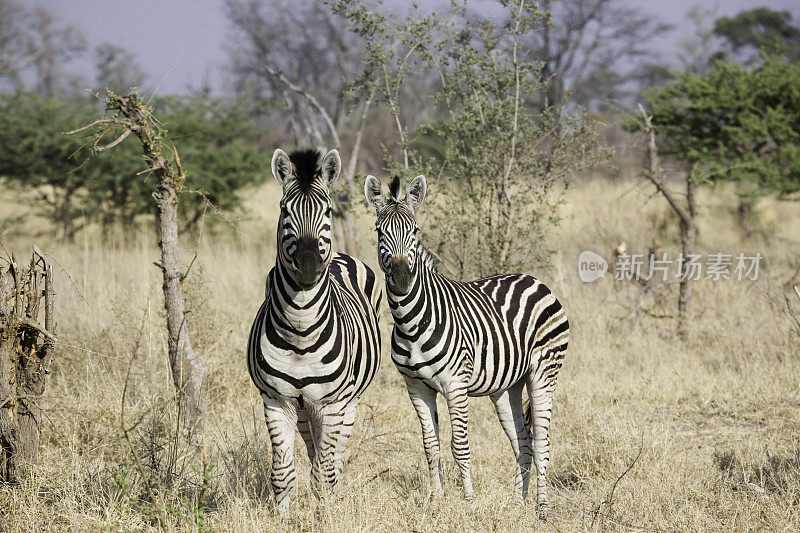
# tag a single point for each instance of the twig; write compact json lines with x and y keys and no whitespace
{"x":96,"y":123}
{"x":113,"y":143}
{"x":609,"y":501}
{"x":789,"y":306}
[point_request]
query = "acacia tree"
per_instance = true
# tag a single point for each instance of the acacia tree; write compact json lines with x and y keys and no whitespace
{"x":747,"y":33}
{"x":731,"y":124}
{"x":218,"y":136}
{"x":499,"y":161}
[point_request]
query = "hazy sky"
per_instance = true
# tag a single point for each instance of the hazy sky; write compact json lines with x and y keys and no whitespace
{"x":184,"y":40}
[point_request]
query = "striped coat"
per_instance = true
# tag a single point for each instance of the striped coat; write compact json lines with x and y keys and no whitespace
{"x":493,"y":337}
{"x":314,"y":346}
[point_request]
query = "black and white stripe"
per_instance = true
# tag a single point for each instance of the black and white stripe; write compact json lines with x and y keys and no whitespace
{"x":315,"y":344}
{"x":494,"y":336}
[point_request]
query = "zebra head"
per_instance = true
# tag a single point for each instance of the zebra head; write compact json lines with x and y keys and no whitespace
{"x":397,"y":229}
{"x":304,"y":227}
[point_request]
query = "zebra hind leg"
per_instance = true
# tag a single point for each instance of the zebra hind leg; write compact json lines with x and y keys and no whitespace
{"x":281,"y":422}
{"x":508,"y":406}
{"x":423,"y":398}
{"x":333,"y":428}
{"x":541,"y":404}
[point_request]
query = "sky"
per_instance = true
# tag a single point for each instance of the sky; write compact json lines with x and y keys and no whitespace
{"x":182,"y":43}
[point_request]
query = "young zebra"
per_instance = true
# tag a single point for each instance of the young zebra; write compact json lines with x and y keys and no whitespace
{"x":493,"y":336}
{"x":315,"y":344}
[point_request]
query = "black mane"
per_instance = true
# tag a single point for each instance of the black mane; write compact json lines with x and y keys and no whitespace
{"x":306,"y":165}
{"x":394,"y":189}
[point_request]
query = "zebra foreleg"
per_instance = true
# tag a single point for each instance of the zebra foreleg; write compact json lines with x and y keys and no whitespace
{"x":281,"y":421}
{"x":508,"y":406}
{"x":334,"y":428}
{"x":458,"y":405}
{"x":424,"y":400}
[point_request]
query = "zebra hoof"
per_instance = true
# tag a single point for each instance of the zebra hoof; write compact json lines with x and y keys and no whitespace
{"x":437,"y":494}
{"x":543,"y":511}
{"x":470,"y":496}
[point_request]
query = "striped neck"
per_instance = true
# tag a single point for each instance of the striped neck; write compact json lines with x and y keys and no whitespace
{"x":300,"y":316}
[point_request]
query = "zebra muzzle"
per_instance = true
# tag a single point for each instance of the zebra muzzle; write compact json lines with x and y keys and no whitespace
{"x":400,"y":276}
{"x":309,"y":267}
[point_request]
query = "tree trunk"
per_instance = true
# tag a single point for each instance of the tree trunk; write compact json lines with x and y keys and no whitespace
{"x":25,"y":353}
{"x":687,"y":215}
{"x":188,"y":370}
{"x":688,"y":240}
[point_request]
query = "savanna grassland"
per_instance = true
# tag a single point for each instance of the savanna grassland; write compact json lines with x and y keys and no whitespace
{"x":650,"y":432}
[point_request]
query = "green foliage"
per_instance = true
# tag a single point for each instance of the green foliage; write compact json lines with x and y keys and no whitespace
{"x":216,"y":140}
{"x":734,"y":123}
{"x":496,"y":159}
{"x":760,"y":29}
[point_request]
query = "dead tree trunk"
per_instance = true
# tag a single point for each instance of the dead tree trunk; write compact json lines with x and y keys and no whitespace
{"x":687,"y":216}
{"x":188,"y":370}
{"x":26,"y":349}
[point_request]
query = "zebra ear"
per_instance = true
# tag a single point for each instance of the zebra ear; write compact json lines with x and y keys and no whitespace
{"x":281,"y":167}
{"x":331,"y":167}
{"x":415,"y":192}
{"x":374,"y":192}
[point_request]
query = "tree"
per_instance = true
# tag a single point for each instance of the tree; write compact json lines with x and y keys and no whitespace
{"x":34,"y":154}
{"x":307,"y":69}
{"x":498,"y":161}
{"x":32,"y":40}
{"x":131,"y":115}
{"x":13,"y":43}
{"x":700,"y":47}
{"x":219,"y":137}
{"x":26,"y":350}
{"x":116,"y":69}
{"x":731,"y":124}
{"x":591,"y":48}
{"x":761,"y":29}
{"x":735,"y":123}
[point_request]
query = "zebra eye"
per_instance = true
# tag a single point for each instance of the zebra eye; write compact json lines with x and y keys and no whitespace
{"x":329,"y":212}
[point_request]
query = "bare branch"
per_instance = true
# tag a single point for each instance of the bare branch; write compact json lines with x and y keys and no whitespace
{"x":309,"y":98}
{"x":113,"y":143}
{"x":654,"y":172}
{"x":97,"y":123}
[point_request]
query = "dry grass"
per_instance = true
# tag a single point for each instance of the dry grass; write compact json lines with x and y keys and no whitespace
{"x":709,"y":414}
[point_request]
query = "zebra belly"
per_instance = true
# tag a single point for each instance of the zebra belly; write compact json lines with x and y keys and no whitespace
{"x":305,"y":376}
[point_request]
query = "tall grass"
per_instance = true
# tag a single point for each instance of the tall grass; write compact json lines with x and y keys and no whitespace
{"x":708,"y":426}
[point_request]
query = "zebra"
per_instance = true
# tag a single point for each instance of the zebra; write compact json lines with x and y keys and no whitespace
{"x":493,"y":336}
{"x":314,"y":346}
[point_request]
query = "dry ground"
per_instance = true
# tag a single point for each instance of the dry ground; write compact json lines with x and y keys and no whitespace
{"x":697,"y":419}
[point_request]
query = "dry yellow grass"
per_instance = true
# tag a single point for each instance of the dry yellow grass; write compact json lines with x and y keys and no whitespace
{"x":708,"y":414}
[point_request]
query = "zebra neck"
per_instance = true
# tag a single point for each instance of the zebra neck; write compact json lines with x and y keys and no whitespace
{"x":298,"y":314}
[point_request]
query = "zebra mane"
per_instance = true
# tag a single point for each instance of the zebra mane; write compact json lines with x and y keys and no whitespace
{"x":306,"y":165}
{"x":394,"y":189}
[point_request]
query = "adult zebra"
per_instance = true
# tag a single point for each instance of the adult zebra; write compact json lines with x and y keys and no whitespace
{"x":493,"y":336}
{"x":315,"y":343}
